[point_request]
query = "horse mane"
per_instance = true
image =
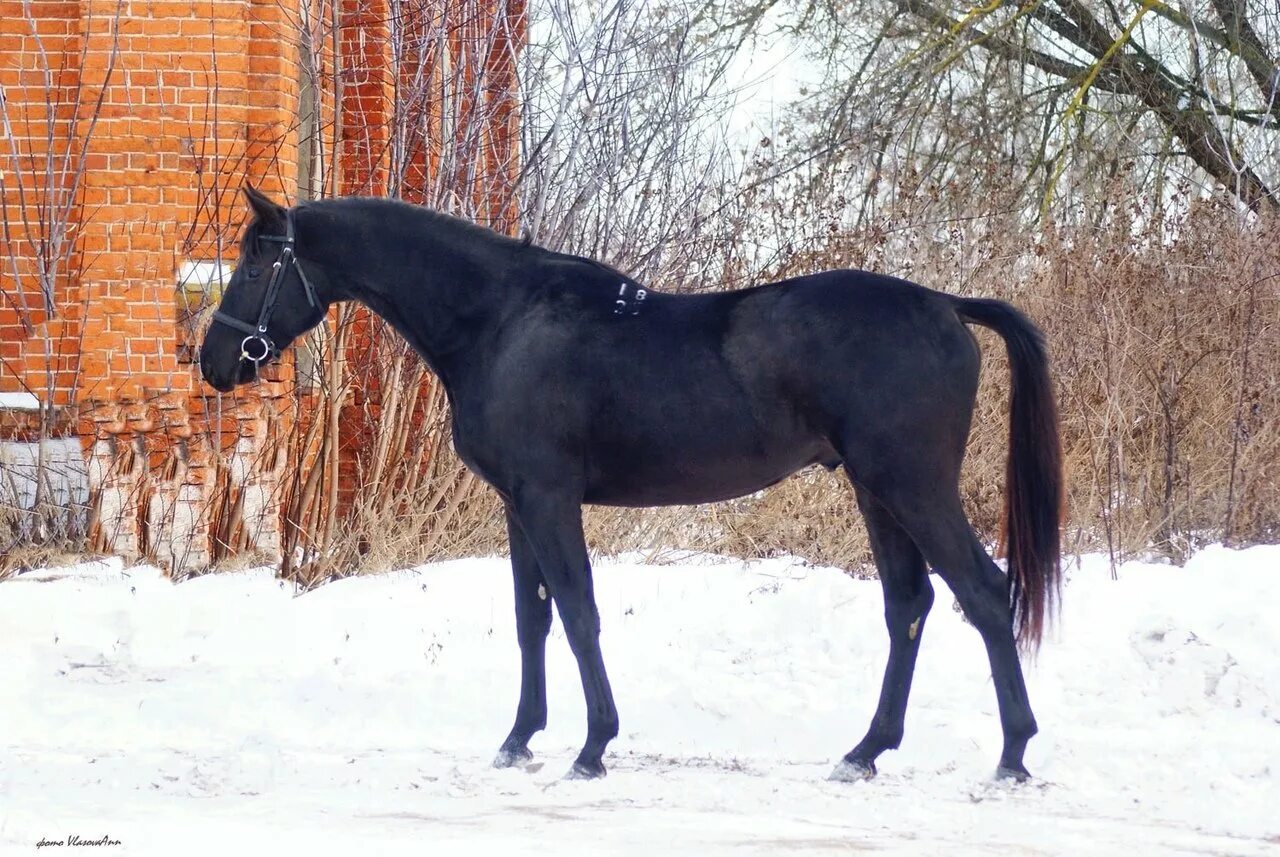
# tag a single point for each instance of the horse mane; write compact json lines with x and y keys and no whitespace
{"x":460,"y":228}
{"x":429,"y":217}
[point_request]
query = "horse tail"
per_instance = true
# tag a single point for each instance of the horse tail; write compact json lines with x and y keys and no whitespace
{"x":1033,"y":474}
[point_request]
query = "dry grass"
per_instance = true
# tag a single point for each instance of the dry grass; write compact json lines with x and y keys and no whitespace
{"x":51,"y":531}
{"x":1168,"y":365}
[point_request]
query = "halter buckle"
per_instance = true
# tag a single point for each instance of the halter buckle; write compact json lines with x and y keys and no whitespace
{"x":632,"y":307}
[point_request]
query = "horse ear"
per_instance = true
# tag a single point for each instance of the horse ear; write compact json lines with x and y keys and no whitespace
{"x":268,"y":212}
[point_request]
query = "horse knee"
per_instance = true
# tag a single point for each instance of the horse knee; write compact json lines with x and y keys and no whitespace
{"x":584,"y":636}
{"x":891,"y":737}
{"x":533,"y":633}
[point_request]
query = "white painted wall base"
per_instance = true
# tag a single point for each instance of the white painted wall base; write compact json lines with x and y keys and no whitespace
{"x":64,"y":469}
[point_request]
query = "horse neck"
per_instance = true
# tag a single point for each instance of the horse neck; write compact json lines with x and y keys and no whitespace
{"x":441,"y":287}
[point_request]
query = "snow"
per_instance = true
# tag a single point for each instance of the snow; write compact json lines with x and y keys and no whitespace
{"x":19,"y":401}
{"x":230,"y":714}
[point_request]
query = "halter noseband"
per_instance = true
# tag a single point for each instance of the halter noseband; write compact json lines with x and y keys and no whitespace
{"x":257,"y":338}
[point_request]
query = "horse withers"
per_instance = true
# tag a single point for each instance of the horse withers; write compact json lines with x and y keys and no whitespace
{"x":571,"y":383}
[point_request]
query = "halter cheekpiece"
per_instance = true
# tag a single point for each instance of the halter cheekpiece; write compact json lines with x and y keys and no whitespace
{"x":257,"y":346}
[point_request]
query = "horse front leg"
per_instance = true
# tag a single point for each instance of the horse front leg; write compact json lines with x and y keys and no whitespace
{"x":533,"y":623}
{"x":552,"y":522}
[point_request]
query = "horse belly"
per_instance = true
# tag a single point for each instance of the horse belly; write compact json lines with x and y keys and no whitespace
{"x":667,"y":476}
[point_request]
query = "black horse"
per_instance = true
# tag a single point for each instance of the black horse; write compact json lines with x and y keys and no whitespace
{"x":570,"y":383}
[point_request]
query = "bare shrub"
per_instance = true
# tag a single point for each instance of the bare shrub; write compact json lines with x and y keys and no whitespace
{"x":1166,"y":350}
{"x":1162,"y":330}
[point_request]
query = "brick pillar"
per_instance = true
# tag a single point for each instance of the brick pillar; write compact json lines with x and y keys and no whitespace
{"x":365,"y":128}
{"x":367,"y":92}
{"x":272,"y":97}
{"x":130,"y":323}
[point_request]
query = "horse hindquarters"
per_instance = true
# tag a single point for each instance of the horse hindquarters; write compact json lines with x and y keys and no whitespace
{"x":907,"y":458}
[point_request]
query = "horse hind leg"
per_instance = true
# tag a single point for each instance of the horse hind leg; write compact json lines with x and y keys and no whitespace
{"x":908,"y":595}
{"x":955,"y":553}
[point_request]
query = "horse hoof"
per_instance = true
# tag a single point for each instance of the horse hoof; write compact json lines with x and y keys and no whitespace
{"x":583,"y":771}
{"x":854,"y":771}
{"x":520,"y":757}
{"x":1010,"y":774}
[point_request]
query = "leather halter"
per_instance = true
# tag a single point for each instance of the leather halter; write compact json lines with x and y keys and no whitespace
{"x":258,"y":333}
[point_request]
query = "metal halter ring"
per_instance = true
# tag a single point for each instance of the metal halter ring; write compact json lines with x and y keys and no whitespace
{"x":267,"y":348}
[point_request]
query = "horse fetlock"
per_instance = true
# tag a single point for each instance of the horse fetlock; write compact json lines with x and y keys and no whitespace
{"x":1017,"y":737}
{"x":878,"y":740}
{"x":602,"y":731}
{"x":1032,"y":729}
{"x":527,"y":726}
{"x":1020,"y":729}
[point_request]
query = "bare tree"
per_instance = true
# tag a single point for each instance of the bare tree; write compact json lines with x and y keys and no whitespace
{"x":626,"y":156}
{"x":1057,"y":95}
{"x":621,"y":155}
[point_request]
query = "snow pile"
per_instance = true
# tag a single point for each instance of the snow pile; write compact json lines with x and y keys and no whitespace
{"x":227,"y":712}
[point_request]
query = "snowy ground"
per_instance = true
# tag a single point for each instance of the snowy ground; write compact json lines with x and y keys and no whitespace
{"x":225,"y":715}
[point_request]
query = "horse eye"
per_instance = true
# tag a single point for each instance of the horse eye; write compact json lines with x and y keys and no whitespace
{"x":254,"y":271}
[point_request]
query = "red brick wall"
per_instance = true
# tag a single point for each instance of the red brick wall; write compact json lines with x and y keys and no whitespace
{"x":196,"y":97}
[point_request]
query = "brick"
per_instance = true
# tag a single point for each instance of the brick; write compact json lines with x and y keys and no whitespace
{"x":139,"y":195}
